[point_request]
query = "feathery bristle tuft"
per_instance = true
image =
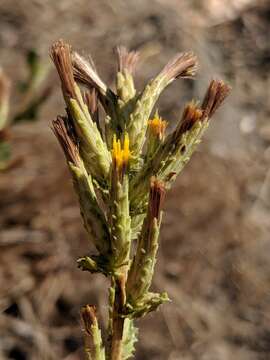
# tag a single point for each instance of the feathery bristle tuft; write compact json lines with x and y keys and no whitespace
{"x":182,"y":65}
{"x":86,"y":74}
{"x":60,"y":129}
{"x":91,"y":100}
{"x":127,"y":60}
{"x":61,"y":55}
{"x":192,"y":113}
{"x":214,"y":97}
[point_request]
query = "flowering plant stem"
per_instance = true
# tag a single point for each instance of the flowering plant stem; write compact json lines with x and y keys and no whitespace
{"x":122,"y":166}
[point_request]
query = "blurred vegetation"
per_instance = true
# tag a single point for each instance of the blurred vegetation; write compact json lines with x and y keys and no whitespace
{"x":33,"y":92}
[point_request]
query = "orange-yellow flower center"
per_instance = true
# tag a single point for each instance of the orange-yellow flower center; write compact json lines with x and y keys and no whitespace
{"x":120,"y":155}
{"x":157,"y":126}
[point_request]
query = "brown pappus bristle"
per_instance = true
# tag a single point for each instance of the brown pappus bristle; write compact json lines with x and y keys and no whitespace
{"x":182,"y":65}
{"x":61,"y":55}
{"x":192,"y":113}
{"x":91,"y":100}
{"x":60,"y":129}
{"x":214,"y":97}
{"x":86,"y":74}
{"x":127,"y":60}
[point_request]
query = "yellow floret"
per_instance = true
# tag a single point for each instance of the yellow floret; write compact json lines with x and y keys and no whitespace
{"x":119,"y":155}
{"x":157,"y":126}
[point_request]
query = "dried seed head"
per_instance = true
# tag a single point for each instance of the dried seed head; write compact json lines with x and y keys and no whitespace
{"x":157,"y":126}
{"x":156,"y":198}
{"x":61,"y":55}
{"x":214,"y":97}
{"x":127,"y":60}
{"x":89,"y":318}
{"x":86,"y":74}
{"x":120,"y":155}
{"x":192,"y":113}
{"x":60,"y":129}
{"x":182,"y":65}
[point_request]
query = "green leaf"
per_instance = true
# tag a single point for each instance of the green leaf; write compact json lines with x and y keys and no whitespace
{"x":150,"y":302}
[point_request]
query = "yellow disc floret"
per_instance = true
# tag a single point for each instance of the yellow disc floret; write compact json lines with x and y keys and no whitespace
{"x":157,"y":126}
{"x":120,"y":156}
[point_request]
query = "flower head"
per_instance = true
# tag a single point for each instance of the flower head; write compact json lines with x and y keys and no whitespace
{"x":61,"y":56}
{"x":181,"y":65}
{"x":214,"y":97}
{"x":157,"y":126}
{"x":191,"y":115}
{"x":127,"y":60}
{"x":120,"y":155}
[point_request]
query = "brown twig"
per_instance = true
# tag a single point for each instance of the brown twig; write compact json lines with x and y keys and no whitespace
{"x":118,"y":320}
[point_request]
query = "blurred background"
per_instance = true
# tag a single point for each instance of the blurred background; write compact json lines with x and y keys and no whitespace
{"x":214,"y":252}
